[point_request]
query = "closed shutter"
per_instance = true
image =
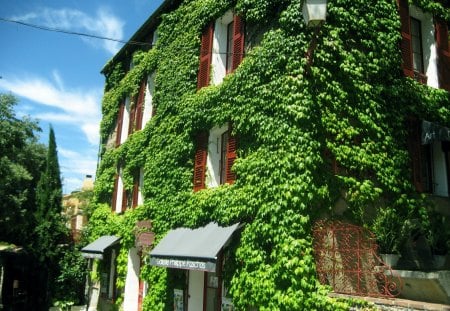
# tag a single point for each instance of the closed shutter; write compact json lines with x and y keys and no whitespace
{"x":443,"y":47}
{"x":205,"y":57}
{"x":238,"y":42}
{"x":140,"y":105}
{"x":230,"y":176}
{"x":414,"y":146}
{"x":114,"y":195}
{"x":119,"y":124}
{"x":406,"y":44}
{"x":200,"y":161}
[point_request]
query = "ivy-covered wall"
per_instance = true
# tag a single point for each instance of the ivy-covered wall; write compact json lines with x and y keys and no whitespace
{"x":293,"y":120}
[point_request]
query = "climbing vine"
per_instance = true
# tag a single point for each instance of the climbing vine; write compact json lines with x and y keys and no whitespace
{"x":295,"y":117}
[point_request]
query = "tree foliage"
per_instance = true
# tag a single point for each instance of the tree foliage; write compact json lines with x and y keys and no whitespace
{"x":21,"y":161}
{"x":50,"y":228}
{"x":294,"y":116}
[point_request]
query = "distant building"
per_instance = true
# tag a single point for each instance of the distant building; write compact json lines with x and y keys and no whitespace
{"x":73,"y":206}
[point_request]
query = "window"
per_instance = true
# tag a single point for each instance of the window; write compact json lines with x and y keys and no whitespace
{"x":138,"y":109}
{"x":222,"y":49}
{"x":435,"y":168}
{"x":443,"y":47}
{"x":212,"y":292}
{"x":149,"y":109}
{"x":133,"y":114}
{"x":418,"y":45}
{"x":108,"y":289}
{"x":120,"y":198}
{"x":123,"y":199}
{"x":137,"y":198}
{"x":123,"y":122}
{"x":229,"y":50}
{"x":416,"y":39}
{"x":214,"y":158}
{"x":430,"y":161}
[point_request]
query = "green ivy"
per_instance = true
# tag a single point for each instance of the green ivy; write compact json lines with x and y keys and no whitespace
{"x":293,"y":116}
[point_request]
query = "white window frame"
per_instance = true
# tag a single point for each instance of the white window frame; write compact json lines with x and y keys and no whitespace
{"x":141,"y":185}
{"x":119,"y":192}
{"x":148,"y":103}
{"x":125,"y":121}
{"x":219,"y":49}
{"x":429,"y":47}
{"x":438,"y":170}
{"x":213,"y":158}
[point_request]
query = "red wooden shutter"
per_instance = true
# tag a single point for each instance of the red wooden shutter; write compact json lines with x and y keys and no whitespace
{"x":135,"y":194}
{"x":124,"y":200}
{"x":200,"y":161}
{"x":406,"y":44}
{"x":141,"y":289}
{"x":114,"y":195}
{"x":238,"y":42}
{"x":205,"y":57}
{"x":443,"y":47}
{"x":119,"y":124}
{"x":230,"y":176}
{"x":414,"y":146}
{"x":140,"y":105}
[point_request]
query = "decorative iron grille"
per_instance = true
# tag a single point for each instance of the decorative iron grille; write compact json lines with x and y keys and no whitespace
{"x":347,"y":260}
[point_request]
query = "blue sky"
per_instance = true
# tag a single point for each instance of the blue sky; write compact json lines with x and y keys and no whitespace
{"x":56,"y":76}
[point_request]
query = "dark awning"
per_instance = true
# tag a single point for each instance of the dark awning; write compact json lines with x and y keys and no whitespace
{"x":434,"y":132}
{"x":192,"y":249}
{"x":98,"y":247}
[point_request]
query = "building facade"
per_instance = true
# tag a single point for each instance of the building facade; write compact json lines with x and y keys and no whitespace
{"x":230,"y":127}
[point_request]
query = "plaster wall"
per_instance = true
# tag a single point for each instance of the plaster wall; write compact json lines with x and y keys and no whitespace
{"x":130,"y":301}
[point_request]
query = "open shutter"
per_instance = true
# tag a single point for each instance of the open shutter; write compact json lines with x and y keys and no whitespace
{"x":406,"y":44}
{"x":114,"y":195}
{"x":200,"y":161}
{"x":238,"y":42}
{"x":132,"y":116}
{"x":443,"y":47}
{"x":230,"y":176}
{"x":124,"y":200}
{"x":414,"y":146}
{"x":135,"y":194}
{"x":140,"y":105}
{"x":119,"y":124}
{"x":205,"y":57}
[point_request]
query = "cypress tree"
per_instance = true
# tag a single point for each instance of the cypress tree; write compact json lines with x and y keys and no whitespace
{"x":49,"y":195}
{"x":50,"y":231}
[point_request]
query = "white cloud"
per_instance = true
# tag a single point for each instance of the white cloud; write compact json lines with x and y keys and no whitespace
{"x":80,"y":108}
{"x":103,"y":24}
{"x":79,"y":163}
{"x":75,"y":166}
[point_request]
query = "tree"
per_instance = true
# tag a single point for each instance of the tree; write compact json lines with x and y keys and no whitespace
{"x":50,"y":232}
{"x":49,"y":194}
{"x":21,"y":163}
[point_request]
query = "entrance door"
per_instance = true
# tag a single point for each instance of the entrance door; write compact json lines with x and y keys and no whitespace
{"x":212,"y":290}
{"x":195,"y":296}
